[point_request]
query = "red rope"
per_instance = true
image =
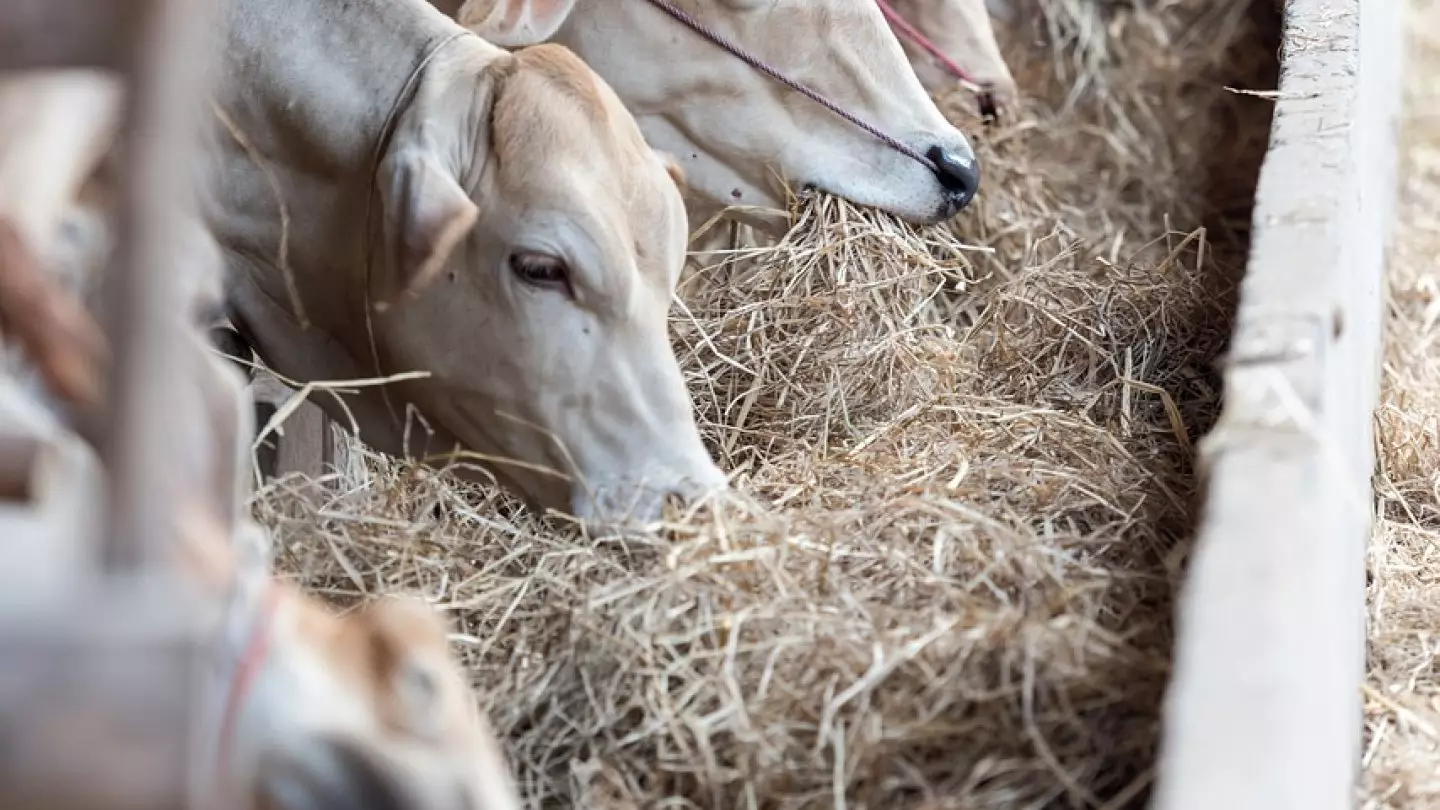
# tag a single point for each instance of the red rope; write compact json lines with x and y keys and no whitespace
{"x":257,"y":650}
{"x":740,"y":53}
{"x":913,"y":34}
{"x":910,"y":32}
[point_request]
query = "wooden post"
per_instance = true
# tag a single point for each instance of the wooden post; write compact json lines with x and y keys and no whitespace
{"x":68,"y":33}
{"x":93,"y":709}
{"x":144,"y":287}
{"x":306,"y":444}
{"x":1264,"y":708}
{"x":98,"y":663}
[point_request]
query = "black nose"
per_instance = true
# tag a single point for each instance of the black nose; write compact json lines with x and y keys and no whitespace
{"x":959,"y":174}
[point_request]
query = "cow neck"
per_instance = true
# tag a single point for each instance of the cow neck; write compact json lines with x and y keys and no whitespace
{"x":382,"y":145}
{"x":329,"y":71}
{"x":326,"y":73}
{"x":238,"y":661}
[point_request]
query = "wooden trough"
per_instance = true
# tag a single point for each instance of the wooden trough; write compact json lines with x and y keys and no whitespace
{"x":1264,"y":706}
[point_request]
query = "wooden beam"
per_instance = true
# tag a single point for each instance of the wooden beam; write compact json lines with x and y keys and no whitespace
{"x":145,"y":289}
{"x":307,"y":447}
{"x":95,"y":698}
{"x":305,"y":444}
{"x":1264,"y":707}
{"x":68,"y":33}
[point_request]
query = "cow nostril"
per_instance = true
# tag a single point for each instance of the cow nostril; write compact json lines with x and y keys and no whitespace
{"x":959,"y":174}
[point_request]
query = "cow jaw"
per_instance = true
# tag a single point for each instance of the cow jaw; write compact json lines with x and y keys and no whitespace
{"x":741,"y":136}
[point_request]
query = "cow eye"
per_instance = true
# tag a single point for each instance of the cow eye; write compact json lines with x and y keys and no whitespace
{"x":541,"y":270}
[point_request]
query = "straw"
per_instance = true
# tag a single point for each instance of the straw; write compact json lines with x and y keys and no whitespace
{"x":964,"y":464}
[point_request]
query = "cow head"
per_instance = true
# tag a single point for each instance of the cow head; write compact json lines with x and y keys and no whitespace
{"x":367,"y":711}
{"x":962,"y":30}
{"x":532,"y":278}
{"x":737,"y":132}
{"x":307,"y":709}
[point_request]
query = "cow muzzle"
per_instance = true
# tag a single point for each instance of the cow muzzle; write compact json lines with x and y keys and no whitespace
{"x":635,"y":500}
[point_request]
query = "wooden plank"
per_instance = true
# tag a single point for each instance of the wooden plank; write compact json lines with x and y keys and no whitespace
{"x":305,"y":444}
{"x":307,"y":447}
{"x":67,"y":33}
{"x":145,"y":289}
{"x":1264,"y":708}
{"x":96,"y":697}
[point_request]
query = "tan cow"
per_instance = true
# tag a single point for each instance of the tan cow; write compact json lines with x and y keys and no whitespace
{"x":737,"y":132}
{"x":495,"y":220}
{"x":309,"y":710}
{"x":962,"y":30}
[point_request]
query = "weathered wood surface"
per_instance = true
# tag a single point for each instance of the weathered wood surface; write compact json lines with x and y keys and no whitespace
{"x":68,"y":33}
{"x":96,"y":698}
{"x":1264,"y":708}
{"x":145,"y":287}
{"x":304,"y":443}
{"x":101,"y":650}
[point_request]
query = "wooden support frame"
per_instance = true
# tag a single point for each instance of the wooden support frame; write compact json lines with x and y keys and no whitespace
{"x":90,"y":696}
{"x":101,"y":646}
{"x":1264,"y":708}
{"x":69,"y":33}
{"x":305,"y":442}
{"x":145,"y":287}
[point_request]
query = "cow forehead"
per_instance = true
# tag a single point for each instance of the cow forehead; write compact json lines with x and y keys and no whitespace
{"x":553,"y":109}
{"x":563,"y":142}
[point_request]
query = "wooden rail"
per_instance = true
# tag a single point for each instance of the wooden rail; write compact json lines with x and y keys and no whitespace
{"x":1264,"y":708}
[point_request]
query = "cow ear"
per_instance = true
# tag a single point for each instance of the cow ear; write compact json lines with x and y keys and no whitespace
{"x":426,"y":214}
{"x":515,"y":23}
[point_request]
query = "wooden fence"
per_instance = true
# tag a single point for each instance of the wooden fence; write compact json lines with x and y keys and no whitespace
{"x":101,"y":647}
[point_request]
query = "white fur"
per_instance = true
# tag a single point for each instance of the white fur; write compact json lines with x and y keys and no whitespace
{"x":737,"y":132}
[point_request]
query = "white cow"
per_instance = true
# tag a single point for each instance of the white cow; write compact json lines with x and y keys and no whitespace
{"x":493,"y":219}
{"x":962,"y":31}
{"x":737,"y":132}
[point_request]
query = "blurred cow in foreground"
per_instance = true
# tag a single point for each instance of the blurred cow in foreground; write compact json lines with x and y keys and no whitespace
{"x":303,"y":709}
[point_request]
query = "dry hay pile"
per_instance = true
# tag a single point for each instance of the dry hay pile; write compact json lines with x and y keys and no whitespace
{"x":1402,"y":695}
{"x":966,"y":461}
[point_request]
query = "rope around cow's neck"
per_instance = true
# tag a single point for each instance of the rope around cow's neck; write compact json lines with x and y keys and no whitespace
{"x":387,"y":132}
{"x":252,"y":660}
{"x":910,"y":32}
{"x":689,"y":21}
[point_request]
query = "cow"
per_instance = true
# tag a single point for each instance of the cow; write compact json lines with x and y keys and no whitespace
{"x":963,"y":32}
{"x":308,"y":709}
{"x":741,"y":136}
{"x":55,"y":126}
{"x":394,"y":194}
